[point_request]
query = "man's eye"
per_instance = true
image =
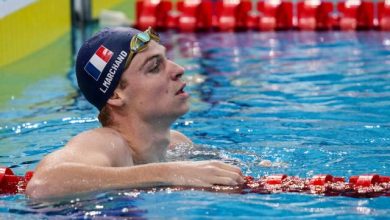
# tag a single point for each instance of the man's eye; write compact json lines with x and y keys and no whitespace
{"x":155,"y":67}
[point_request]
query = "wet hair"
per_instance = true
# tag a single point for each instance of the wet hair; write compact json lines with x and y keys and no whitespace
{"x":105,"y":116}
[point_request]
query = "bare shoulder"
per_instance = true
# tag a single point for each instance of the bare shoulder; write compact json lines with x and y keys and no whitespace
{"x":178,"y":138}
{"x":97,"y":147}
{"x":97,"y":138}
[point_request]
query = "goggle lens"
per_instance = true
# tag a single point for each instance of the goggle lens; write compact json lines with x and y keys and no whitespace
{"x":139,"y":42}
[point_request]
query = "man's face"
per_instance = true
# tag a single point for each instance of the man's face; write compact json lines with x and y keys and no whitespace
{"x":154,"y":88}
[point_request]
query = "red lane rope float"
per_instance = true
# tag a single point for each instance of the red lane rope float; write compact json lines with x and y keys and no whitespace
{"x":315,"y":15}
{"x":356,"y":15}
{"x":194,"y":15}
{"x":275,"y":15}
{"x":263,"y":15}
{"x":384,"y":15}
{"x":367,"y":186}
{"x":11,"y":184}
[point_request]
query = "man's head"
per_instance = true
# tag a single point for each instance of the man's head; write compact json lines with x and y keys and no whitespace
{"x":107,"y":64}
{"x":104,"y":57}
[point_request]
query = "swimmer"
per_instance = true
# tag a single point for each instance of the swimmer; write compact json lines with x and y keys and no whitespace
{"x":139,"y":93}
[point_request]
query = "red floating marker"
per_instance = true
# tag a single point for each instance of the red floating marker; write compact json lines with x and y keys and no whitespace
{"x":384,"y":15}
{"x":146,"y":13}
{"x":326,"y":20}
{"x":348,"y":10}
{"x":28,"y":175}
{"x":353,"y":180}
{"x":164,"y":18}
{"x":338,"y":179}
{"x":315,"y":15}
{"x":205,"y":16}
{"x":244,"y":18}
{"x":154,"y":13}
{"x":187,"y":17}
{"x":364,"y":180}
{"x":5,"y":171}
{"x":232,"y":15}
{"x":226,"y":14}
{"x":384,"y":179}
{"x":249,"y":179}
{"x":8,"y":181}
{"x":275,"y":179}
{"x":307,"y":11}
{"x":25,"y":180}
{"x":172,"y":20}
{"x":365,"y":19}
{"x":11,"y":184}
{"x":320,"y":180}
{"x":275,"y":14}
{"x":194,"y":15}
{"x":356,"y":14}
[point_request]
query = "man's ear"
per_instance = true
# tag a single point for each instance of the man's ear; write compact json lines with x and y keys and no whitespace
{"x":116,"y":100}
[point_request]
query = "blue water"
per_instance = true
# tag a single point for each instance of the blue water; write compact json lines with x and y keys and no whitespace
{"x":309,"y":102}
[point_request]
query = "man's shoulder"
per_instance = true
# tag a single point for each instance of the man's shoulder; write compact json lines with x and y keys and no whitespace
{"x":97,"y":147}
{"x":98,"y":137}
{"x":104,"y":143}
{"x":178,"y":138}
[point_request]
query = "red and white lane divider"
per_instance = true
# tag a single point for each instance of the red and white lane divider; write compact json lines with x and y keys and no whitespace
{"x":368,"y":185}
{"x":263,"y":15}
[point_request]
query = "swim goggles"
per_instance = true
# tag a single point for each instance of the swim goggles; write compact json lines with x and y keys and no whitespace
{"x":139,"y":42}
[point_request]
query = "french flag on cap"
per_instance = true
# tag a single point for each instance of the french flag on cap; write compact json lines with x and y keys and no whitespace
{"x":98,"y":61}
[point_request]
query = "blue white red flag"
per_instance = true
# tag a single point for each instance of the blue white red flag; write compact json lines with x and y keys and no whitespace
{"x":98,"y":61}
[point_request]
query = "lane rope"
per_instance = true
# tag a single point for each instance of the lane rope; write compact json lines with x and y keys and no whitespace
{"x":366,"y":186}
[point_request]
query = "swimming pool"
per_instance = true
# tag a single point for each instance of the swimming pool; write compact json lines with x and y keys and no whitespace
{"x":311,"y":102}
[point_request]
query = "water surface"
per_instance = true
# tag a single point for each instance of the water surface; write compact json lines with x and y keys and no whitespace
{"x":309,"y":102}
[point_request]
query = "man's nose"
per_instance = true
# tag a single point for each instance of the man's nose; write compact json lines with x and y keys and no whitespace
{"x":177,"y":71}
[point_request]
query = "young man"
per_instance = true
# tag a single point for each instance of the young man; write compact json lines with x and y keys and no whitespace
{"x":139,"y":92}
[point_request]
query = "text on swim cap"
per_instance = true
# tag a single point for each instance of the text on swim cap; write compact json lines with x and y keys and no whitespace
{"x":112,"y":71}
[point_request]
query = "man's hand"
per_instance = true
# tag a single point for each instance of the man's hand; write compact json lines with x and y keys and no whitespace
{"x":204,"y":174}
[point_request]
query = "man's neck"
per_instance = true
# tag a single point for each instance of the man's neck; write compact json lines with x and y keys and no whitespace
{"x":148,"y":141}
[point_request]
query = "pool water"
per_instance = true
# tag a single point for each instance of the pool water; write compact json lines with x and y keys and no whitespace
{"x":310,"y":102}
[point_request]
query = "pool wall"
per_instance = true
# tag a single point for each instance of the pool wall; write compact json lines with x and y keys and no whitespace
{"x":36,"y":41}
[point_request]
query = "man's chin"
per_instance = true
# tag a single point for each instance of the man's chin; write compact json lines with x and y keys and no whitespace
{"x":186,"y":109}
{"x":182,"y":111}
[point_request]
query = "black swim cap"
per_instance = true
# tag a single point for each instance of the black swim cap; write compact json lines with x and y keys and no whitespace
{"x":101,"y":61}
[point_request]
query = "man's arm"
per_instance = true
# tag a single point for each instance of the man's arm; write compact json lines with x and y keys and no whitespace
{"x":77,"y":168}
{"x":70,"y":178}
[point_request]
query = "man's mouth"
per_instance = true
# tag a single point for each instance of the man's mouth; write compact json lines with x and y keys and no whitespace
{"x":181,"y":90}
